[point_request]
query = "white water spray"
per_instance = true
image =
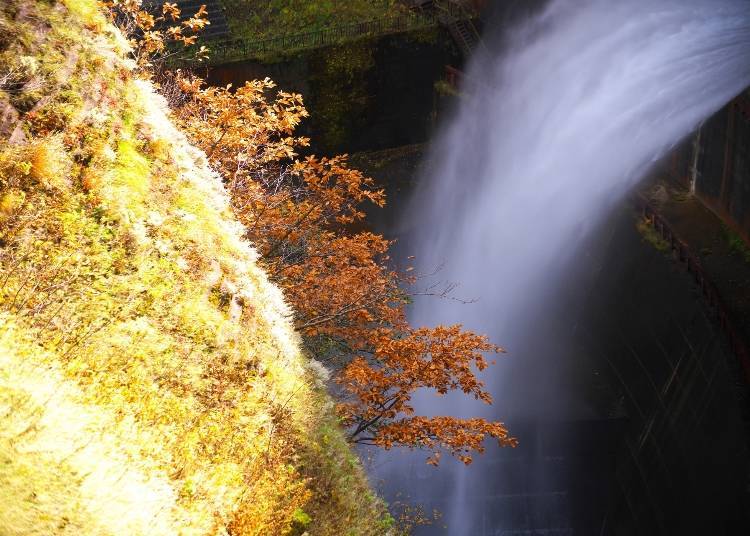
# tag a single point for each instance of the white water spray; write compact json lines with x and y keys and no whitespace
{"x":588,"y":95}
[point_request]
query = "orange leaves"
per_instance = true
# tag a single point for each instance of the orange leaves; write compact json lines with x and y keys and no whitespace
{"x":144,"y":20}
{"x":198,"y":21}
{"x":170,"y":10}
{"x":147,"y":38}
{"x":242,"y":133}
{"x":458,"y":436}
{"x":381,"y":388}
{"x":349,"y":305}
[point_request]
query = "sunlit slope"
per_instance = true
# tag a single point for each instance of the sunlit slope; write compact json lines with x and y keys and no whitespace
{"x":150,"y":382}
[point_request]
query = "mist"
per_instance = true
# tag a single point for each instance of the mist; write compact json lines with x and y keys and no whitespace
{"x":555,"y":129}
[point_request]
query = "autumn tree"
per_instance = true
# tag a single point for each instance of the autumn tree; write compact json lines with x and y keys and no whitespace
{"x":304,"y":215}
{"x":151,"y":29}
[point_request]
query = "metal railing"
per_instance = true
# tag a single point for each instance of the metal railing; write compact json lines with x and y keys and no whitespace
{"x":451,"y":11}
{"x":245,"y":49}
{"x":708,"y":289}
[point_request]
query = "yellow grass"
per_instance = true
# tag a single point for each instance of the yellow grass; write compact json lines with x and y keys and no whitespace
{"x":150,"y":380}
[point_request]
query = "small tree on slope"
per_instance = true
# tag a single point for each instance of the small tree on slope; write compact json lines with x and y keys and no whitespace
{"x":305,"y":218}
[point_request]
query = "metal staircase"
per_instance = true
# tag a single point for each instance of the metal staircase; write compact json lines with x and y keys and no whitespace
{"x":458,"y":17}
{"x":465,"y":35}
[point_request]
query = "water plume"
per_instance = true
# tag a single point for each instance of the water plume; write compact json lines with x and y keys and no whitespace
{"x":584,"y":98}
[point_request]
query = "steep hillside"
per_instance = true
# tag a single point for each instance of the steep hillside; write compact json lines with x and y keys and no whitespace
{"x":150,"y":382}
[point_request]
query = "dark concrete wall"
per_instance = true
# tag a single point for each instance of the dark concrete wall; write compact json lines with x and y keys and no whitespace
{"x":663,"y":452}
{"x":715,"y":164}
{"x":364,"y":95}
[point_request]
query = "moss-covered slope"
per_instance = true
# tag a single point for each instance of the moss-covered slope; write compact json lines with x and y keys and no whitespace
{"x":150,"y":382}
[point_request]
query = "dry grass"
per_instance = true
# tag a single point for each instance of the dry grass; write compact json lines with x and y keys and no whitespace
{"x":150,"y":380}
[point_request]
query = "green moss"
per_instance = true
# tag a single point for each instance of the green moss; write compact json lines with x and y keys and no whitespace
{"x":650,"y":235}
{"x":737,"y":245}
{"x":300,"y":521}
{"x":131,"y":178}
{"x":259,"y":19}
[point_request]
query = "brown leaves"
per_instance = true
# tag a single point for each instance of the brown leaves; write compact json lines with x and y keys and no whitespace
{"x":304,"y":217}
{"x":458,"y":436}
{"x":170,"y":11}
{"x":442,"y":359}
{"x":147,"y":37}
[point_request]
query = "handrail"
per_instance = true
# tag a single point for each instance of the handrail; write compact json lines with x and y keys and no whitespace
{"x":446,"y":12}
{"x":453,"y":10}
{"x":708,"y":289}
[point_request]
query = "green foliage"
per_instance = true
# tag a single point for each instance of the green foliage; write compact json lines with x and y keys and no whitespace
{"x":341,"y":90}
{"x":650,"y":235}
{"x":300,"y":521}
{"x":260,"y":19}
{"x":443,"y":88}
{"x":737,"y":245}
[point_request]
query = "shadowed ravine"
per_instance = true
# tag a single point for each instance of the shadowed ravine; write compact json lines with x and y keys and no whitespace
{"x":585,"y":97}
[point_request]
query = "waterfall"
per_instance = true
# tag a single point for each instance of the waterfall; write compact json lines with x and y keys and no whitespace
{"x":584,"y":98}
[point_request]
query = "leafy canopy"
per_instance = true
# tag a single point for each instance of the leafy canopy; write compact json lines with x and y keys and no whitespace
{"x":305,"y":218}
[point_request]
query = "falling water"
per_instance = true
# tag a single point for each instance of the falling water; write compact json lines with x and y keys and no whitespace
{"x":586,"y":96}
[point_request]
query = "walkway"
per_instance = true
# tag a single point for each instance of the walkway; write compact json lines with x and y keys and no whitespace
{"x":719,"y":259}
